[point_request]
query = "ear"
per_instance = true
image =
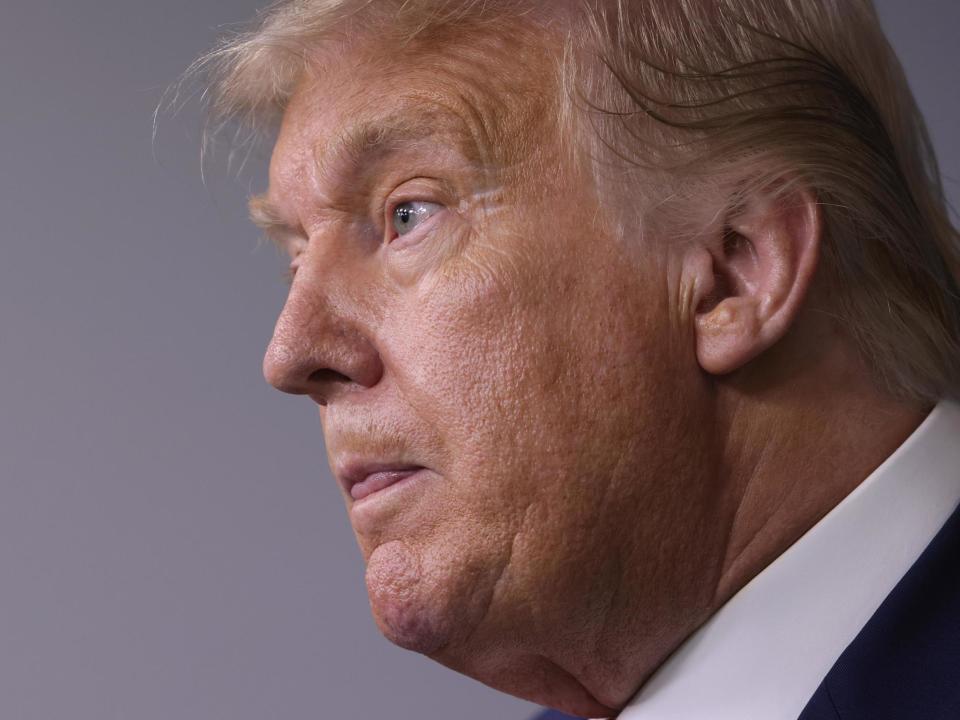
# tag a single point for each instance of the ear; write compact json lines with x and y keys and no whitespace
{"x":750,"y":280}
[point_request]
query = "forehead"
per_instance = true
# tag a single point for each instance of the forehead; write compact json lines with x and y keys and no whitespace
{"x":488,"y":95}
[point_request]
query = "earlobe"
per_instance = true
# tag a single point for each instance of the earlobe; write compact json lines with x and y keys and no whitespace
{"x":753,"y":277}
{"x":726,"y":336}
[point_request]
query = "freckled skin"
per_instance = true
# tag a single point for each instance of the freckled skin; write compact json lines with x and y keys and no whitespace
{"x":583,"y":503}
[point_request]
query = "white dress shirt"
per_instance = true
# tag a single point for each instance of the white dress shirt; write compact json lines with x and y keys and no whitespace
{"x":765,"y":652}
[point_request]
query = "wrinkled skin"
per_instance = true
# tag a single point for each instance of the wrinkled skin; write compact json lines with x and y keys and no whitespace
{"x":515,"y":350}
{"x":575,"y":519}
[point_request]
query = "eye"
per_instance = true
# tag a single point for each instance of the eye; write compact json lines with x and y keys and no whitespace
{"x":408,"y":215}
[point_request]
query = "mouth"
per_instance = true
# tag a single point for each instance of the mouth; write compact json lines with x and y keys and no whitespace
{"x":361,"y":480}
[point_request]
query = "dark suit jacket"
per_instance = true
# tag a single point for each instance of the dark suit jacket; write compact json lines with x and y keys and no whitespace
{"x":905,"y":663}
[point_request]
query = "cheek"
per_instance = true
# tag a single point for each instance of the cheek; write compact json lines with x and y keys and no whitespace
{"x":529,"y":365}
{"x":461,"y":350}
{"x":480,"y":361}
{"x":547,"y":382}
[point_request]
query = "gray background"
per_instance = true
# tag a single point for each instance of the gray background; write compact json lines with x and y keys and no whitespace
{"x":171,"y":543}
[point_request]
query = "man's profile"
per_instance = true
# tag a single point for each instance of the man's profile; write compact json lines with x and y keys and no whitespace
{"x":634,"y":329}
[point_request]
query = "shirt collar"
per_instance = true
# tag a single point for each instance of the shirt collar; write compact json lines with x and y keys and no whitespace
{"x":765,"y":652}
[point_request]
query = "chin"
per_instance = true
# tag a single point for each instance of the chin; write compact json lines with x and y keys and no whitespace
{"x":432,"y":594}
{"x":439,"y":604}
{"x":407,"y":609}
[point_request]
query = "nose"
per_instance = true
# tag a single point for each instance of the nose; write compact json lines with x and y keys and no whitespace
{"x":319,"y":351}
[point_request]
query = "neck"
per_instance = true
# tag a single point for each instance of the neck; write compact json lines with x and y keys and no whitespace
{"x":771,"y":450}
{"x":797,"y":449}
{"x":793,"y":438}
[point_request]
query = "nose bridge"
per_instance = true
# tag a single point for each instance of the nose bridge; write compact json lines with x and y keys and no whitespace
{"x":321,"y":344}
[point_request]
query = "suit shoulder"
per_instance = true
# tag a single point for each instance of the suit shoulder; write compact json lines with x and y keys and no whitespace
{"x":905,"y":663}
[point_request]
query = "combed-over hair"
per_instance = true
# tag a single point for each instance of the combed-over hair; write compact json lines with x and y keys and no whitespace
{"x":793,"y":91}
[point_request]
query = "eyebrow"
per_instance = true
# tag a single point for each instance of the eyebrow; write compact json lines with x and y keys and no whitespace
{"x":365,"y":142}
{"x":265,"y":215}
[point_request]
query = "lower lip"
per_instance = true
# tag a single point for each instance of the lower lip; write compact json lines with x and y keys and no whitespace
{"x":375,"y":482}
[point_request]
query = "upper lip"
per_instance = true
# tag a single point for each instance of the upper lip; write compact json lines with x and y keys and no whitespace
{"x":352,"y":471}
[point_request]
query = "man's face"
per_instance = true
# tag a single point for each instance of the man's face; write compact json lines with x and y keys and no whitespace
{"x":459,"y":305}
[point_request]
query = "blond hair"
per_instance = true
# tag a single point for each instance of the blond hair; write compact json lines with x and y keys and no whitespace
{"x":808,"y":90}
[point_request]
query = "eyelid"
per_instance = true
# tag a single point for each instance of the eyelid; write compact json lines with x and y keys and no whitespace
{"x":293,"y":245}
{"x":292,"y":268}
{"x":416,"y":189}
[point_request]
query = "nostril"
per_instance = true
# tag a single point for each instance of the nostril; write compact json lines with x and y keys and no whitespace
{"x":327,"y":376}
{"x":322,"y":383}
